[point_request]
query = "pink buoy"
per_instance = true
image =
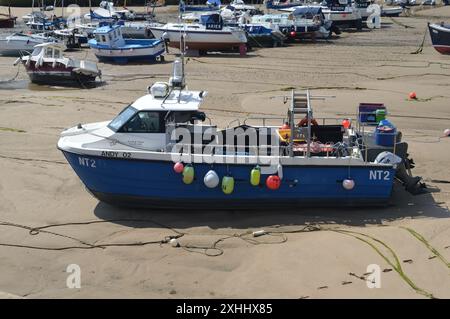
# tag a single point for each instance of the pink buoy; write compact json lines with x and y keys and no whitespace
{"x":178,"y":167}
{"x":348,"y":184}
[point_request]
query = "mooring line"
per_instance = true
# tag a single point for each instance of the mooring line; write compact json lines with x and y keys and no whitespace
{"x":397,"y":266}
{"x":427,"y":244}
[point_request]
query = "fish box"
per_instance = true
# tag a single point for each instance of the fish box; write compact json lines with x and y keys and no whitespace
{"x":385,"y":136}
{"x":367,"y":112}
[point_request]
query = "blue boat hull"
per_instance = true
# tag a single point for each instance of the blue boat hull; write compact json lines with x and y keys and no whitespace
{"x":126,"y":59}
{"x":154,"y":184}
{"x":141,"y":50}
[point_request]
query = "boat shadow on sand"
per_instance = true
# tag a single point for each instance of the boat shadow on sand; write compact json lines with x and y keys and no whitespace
{"x":403,"y":205}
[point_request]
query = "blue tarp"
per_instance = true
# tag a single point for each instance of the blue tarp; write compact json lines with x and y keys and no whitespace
{"x":307,"y":11}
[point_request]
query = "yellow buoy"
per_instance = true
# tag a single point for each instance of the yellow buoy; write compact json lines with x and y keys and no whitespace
{"x":255,"y":176}
{"x":188,"y":174}
{"x":227,"y":184}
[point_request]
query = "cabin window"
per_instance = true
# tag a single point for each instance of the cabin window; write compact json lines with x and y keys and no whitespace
{"x":110,"y":37}
{"x":48,"y":52}
{"x":97,"y":37}
{"x":144,"y":122}
{"x":103,"y":38}
{"x":122,"y":118}
{"x":57,"y":54}
{"x":37,"y":51}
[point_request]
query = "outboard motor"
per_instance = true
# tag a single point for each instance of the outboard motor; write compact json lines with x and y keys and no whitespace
{"x":412,"y":183}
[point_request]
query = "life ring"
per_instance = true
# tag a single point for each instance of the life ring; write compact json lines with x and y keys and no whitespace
{"x":304,"y":122}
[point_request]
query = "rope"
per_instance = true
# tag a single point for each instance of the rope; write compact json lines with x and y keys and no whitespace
{"x":401,"y":24}
{"x":33,"y":231}
{"x":394,"y":264}
{"x":14,"y":77}
{"x":427,"y":244}
{"x":210,"y":251}
{"x":420,"y":48}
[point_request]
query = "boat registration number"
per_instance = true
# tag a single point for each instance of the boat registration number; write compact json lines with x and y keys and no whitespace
{"x":379,"y":175}
{"x":87,"y":162}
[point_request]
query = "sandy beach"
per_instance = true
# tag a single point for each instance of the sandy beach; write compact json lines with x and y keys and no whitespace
{"x":329,"y":260}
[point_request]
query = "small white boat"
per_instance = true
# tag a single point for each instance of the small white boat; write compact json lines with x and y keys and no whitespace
{"x":109,"y":45}
{"x":205,"y":36}
{"x":47,"y":65}
{"x":18,"y":43}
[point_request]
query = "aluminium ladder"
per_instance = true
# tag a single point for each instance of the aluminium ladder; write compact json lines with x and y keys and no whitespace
{"x":300,"y":104}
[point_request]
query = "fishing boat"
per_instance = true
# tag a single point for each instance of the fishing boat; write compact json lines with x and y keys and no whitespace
{"x":47,"y":65}
{"x":7,"y":21}
{"x":210,"y":34}
{"x":302,"y":22}
{"x":20,"y":43}
{"x":263,"y":35}
{"x":110,"y":45}
{"x":343,"y":13}
{"x":158,"y":152}
{"x":440,"y":36}
{"x":42,"y":23}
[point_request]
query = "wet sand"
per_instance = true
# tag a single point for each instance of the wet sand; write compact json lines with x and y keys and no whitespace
{"x":38,"y":188}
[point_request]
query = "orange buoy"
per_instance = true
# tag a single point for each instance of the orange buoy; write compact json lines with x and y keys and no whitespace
{"x":273,"y":182}
{"x":346,"y":123}
{"x":285,"y":126}
{"x":412,"y":96}
{"x":178,"y":167}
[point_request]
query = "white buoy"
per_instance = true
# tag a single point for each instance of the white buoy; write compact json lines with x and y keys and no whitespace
{"x":211,"y":179}
{"x":174,"y":242}
{"x":348,"y":184}
{"x":447,"y":132}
